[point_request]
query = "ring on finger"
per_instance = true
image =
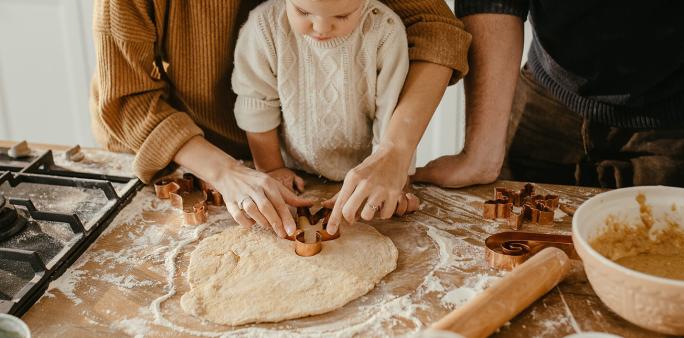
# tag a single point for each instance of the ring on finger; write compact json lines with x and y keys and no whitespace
{"x":375,"y":207}
{"x":241,"y":204}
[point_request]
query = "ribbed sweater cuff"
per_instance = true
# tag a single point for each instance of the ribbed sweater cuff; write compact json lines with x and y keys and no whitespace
{"x":517,"y":8}
{"x":162,"y":144}
{"x":257,"y":116}
{"x":442,"y":44}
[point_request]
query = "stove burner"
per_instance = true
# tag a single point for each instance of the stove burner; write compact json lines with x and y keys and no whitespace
{"x":11,"y":221}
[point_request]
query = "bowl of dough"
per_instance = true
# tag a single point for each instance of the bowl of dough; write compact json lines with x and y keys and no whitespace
{"x":631,"y":242}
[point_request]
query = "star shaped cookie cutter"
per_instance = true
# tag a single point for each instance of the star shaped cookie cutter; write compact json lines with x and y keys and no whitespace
{"x":190,"y":195}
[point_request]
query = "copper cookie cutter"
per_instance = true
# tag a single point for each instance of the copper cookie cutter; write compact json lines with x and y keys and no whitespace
{"x":536,"y":209}
{"x":509,"y":249}
{"x":316,"y":218}
{"x":308,"y":242}
{"x":184,"y":189}
{"x":312,"y":230}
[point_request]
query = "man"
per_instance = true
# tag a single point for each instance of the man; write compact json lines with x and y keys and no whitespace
{"x":600,"y":101}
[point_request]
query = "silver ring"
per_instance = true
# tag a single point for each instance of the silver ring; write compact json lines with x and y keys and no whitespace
{"x":374,"y":207}
{"x":242,"y":202}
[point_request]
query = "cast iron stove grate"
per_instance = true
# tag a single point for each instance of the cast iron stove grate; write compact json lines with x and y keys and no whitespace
{"x":48,"y":217}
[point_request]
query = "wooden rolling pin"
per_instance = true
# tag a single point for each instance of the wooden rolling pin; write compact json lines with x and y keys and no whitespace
{"x":502,"y":301}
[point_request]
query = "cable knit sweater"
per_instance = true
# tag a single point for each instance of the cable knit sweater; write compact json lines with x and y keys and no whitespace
{"x":336,"y":96}
{"x":134,"y":110}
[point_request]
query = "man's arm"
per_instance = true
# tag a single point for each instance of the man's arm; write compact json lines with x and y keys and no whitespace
{"x":495,"y":55}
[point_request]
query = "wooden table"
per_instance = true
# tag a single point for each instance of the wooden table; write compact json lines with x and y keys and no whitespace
{"x":111,"y":290}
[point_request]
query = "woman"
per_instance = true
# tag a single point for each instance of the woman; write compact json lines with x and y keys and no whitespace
{"x":163,"y":71}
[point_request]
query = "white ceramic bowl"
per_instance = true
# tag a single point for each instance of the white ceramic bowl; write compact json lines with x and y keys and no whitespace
{"x":654,"y":303}
{"x":13,"y":324}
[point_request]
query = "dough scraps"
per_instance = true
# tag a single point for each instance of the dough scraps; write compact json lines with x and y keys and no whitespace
{"x":248,"y":275}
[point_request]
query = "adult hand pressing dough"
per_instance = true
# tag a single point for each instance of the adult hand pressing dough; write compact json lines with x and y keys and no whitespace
{"x":247,"y":275}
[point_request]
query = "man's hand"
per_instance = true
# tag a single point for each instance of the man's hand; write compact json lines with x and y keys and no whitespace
{"x":455,"y":171}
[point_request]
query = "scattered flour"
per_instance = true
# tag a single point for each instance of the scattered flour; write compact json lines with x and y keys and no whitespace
{"x":135,"y":327}
{"x":558,"y":215}
{"x":456,"y":243}
{"x":126,"y":282}
{"x":470,"y":289}
{"x":66,"y":284}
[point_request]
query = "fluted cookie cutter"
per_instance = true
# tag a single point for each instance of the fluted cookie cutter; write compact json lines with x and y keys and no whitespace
{"x":509,"y":249}
{"x":181,"y":190}
{"x":308,"y":242}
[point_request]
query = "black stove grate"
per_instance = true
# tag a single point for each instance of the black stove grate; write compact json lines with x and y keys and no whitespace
{"x":32,"y":258}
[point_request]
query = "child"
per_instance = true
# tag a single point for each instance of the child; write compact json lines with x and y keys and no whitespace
{"x":321,"y":76}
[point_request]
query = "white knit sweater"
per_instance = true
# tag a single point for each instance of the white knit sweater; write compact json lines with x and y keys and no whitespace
{"x":331,"y":99}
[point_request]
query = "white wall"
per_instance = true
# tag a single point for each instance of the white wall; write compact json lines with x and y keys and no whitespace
{"x":47,"y":58}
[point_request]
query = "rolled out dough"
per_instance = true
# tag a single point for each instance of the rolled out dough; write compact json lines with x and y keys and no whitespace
{"x":246,"y":275}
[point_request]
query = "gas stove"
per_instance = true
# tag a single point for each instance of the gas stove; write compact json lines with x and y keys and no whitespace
{"x":48,"y":216}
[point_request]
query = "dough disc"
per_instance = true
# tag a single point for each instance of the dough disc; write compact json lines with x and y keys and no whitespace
{"x":248,"y":275}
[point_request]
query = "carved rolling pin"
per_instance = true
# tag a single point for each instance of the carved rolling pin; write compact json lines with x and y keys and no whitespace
{"x":489,"y":310}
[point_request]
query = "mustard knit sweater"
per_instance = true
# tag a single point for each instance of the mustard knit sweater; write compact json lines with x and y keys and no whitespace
{"x":134,"y":110}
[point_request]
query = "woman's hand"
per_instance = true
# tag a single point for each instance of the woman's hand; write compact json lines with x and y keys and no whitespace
{"x":374,"y":187}
{"x":250,"y":196}
{"x":288,"y":178}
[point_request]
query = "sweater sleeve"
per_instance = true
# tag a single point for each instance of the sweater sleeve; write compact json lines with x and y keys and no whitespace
{"x":435,"y":35}
{"x":131,"y":102}
{"x":257,"y":108}
{"x":517,"y":8}
{"x":392,"y":68}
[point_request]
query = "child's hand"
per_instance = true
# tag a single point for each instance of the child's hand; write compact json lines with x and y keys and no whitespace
{"x":288,"y":178}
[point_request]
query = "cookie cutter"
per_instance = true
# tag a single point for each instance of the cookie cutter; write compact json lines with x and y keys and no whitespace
{"x":74,"y":154}
{"x":19,"y":150}
{"x":532,"y":208}
{"x":315,"y":217}
{"x":181,"y":189}
{"x":509,"y":249}
{"x":499,"y":208}
{"x":307,"y":247}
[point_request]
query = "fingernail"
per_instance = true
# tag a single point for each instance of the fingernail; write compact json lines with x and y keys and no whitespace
{"x":289,"y":229}
{"x":332,"y":228}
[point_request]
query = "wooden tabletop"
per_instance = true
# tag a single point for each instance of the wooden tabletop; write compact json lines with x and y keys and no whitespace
{"x":125,"y":284}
